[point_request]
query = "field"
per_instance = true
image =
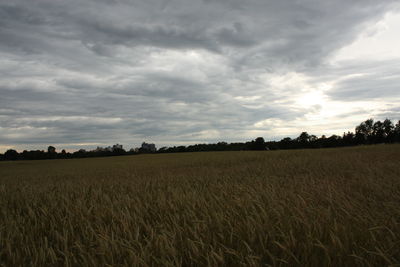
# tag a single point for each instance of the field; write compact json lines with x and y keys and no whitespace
{"x":331,"y":207}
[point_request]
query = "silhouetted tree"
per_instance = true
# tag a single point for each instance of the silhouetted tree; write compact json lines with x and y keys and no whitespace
{"x":388,"y":129}
{"x":378,"y":133}
{"x":396,"y":132}
{"x":259,"y":144}
{"x":348,"y":139}
{"x":11,"y":154}
{"x":51,"y":152}
{"x":304,"y":137}
{"x":367,"y":132}
{"x":364,"y":131}
{"x":118,"y":149}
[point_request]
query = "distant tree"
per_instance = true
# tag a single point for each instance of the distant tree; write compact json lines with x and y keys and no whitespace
{"x":378,"y":133}
{"x":332,"y":141}
{"x":367,"y":132}
{"x":334,"y":137}
{"x":11,"y":154}
{"x":348,"y":138}
{"x":221,"y":146}
{"x":63,"y":154}
{"x":396,"y":132}
{"x":312,"y":138}
{"x":388,"y":129}
{"x":286,"y":143}
{"x":51,"y":152}
{"x":304,"y":137}
{"x":388,"y":126}
{"x":258,"y":144}
{"x":364,"y":131}
{"x":162,"y":149}
{"x":118,"y":149}
{"x":33,"y":155}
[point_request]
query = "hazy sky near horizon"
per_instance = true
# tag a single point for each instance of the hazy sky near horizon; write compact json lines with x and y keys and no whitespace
{"x":86,"y":73}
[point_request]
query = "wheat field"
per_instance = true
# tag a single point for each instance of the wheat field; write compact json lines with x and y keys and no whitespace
{"x":330,"y":207}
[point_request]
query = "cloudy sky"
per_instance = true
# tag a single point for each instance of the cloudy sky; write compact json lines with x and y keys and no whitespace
{"x":82,"y":73}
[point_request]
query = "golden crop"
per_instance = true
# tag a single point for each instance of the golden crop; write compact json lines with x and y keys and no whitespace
{"x":328,"y":207}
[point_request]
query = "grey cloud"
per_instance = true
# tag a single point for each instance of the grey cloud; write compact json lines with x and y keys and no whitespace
{"x":362,"y":80}
{"x":287,"y":30}
{"x":104,"y":60}
{"x":370,"y":87}
{"x":392,"y":112}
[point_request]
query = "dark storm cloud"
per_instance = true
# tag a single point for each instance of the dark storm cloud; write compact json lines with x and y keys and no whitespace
{"x":290,"y":29}
{"x":123,"y":71}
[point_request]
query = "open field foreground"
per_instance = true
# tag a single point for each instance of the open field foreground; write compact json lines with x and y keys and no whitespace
{"x":332,"y":207}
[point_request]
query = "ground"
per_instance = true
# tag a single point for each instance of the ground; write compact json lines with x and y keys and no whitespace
{"x":325,"y":207}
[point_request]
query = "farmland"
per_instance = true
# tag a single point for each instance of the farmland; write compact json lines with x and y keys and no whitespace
{"x":325,"y":207}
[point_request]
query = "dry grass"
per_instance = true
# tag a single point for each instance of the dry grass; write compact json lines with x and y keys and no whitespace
{"x":333,"y":207}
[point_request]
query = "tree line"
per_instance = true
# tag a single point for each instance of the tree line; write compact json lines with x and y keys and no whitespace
{"x":368,"y":132}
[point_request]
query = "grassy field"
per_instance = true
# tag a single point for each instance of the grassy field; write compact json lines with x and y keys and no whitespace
{"x":331,"y":207}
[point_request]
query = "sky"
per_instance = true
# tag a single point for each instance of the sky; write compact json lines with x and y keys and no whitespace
{"x":85,"y":73}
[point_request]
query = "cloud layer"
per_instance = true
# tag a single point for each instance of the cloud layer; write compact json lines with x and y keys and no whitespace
{"x":85,"y":73}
